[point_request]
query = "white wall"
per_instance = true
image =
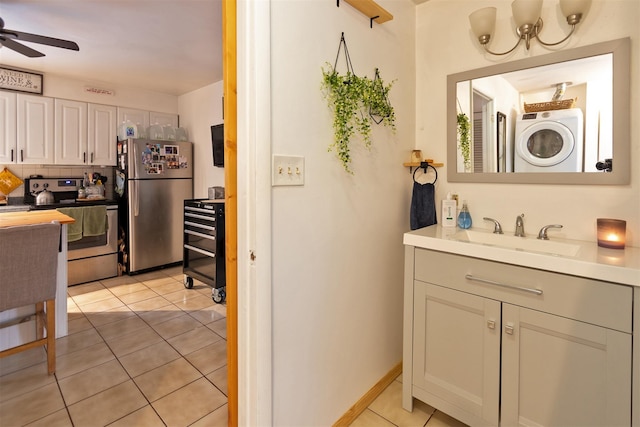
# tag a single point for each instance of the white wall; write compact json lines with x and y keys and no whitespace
{"x":445,"y":45}
{"x":337,"y":254}
{"x":198,"y":111}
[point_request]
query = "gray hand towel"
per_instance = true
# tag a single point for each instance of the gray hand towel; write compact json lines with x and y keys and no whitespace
{"x":423,"y":206}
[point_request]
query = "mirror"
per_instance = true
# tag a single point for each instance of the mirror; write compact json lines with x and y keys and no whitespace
{"x":551,"y":119}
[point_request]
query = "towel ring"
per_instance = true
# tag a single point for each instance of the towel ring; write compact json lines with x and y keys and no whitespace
{"x":424,"y":166}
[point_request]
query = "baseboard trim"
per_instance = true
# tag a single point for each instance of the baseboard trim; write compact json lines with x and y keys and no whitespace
{"x":375,"y":391}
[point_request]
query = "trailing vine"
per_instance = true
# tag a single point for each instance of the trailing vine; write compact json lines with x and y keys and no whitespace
{"x":464,"y":142}
{"x":349,"y":97}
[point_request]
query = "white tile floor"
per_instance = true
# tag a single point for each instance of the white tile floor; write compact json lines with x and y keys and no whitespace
{"x":141,"y":351}
{"x":145,"y":351}
{"x":386,"y":411}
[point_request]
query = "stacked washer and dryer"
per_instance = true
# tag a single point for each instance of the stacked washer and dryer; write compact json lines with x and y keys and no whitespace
{"x":549,"y":141}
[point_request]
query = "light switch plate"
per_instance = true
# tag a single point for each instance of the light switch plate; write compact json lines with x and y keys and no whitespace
{"x":287,"y":170}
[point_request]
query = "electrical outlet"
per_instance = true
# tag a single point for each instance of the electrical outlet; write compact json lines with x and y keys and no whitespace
{"x":287,"y":170}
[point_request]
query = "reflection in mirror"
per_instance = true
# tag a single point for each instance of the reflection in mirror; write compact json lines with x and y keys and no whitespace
{"x":554,"y":118}
{"x":586,"y":87}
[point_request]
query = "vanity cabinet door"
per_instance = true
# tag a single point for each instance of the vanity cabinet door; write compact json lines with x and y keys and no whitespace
{"x":456,"y":353}
{"x":560,"y":372}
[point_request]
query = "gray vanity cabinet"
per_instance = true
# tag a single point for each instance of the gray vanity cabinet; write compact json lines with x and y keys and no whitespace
{"x":496,"y":344}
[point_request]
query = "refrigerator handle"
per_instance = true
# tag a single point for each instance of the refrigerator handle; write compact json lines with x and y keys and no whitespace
{"x":133,"y":159}
{"x":136,"y":199}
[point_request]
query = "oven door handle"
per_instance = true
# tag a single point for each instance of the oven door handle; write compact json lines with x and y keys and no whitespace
{"x":202,"y":251}
{"x":204,"y":236}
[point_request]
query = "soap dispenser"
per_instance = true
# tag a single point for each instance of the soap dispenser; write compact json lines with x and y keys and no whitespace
{"x":449,"y":212}
{"x":464,"y":218}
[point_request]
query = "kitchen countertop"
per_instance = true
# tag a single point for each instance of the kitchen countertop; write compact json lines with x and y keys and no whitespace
{"x":10,"y":219}
{"x":13,"y":208}
{"x":591,"y":261}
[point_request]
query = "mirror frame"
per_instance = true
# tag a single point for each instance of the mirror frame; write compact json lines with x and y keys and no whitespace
{"x":621,"y":119}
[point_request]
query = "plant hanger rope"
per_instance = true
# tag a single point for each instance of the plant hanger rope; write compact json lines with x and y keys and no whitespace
{"x":343,"y":42}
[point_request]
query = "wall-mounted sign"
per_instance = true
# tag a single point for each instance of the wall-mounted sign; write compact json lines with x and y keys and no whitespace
{"x":21,"y":81}
{"x":99,"y":91}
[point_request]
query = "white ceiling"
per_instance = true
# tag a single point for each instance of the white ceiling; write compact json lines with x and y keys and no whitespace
{"x":167,"y":46}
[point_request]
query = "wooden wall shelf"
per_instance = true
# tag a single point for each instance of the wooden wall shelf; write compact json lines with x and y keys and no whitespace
{"x":371,"y":10}
{"x":412,"y":165}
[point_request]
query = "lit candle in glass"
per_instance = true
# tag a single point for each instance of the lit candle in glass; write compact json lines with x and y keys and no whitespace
{"x":611,"y":233}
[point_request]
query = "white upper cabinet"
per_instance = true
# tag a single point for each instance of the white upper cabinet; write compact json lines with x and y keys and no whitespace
{"x":35,"y":134}
{"x":163,"y":119}
{"x":140,"y":118}
{"x":71,"y":132}
{"x":102,"y":139}
{"x":8,"y":152}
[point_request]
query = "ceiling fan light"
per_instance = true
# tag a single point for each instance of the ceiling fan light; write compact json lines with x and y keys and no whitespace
{"x":483,"y":22}
{"x":526,"y":12}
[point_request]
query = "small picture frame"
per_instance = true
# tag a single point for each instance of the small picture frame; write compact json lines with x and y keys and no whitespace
{"x":21,"y":81}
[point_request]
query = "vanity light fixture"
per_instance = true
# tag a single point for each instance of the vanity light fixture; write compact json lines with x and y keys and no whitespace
{"x":526,"y":14}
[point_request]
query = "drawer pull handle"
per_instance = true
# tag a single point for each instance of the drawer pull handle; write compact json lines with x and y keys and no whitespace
{"x":204,"y":236}
{"x":201,"y":251}
{"x":508,"y":329}
{"x":491,"y":324}
{"x":491,"y":282}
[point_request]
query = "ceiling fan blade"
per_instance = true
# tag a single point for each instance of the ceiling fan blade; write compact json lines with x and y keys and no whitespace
{"x":20,"y":48}
{"x":34,"y":38}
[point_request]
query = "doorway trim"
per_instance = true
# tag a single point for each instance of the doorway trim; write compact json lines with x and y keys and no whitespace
{"x":249,"y":140}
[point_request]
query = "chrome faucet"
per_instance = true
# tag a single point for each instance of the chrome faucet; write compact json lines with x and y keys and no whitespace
{"x":542,"y":235}
{"x":519,"y":226}
{"x":497,"y":228}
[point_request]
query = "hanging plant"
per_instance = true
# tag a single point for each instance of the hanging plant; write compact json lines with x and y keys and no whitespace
{"x":349,"y":97}
{"x":464,"y":142}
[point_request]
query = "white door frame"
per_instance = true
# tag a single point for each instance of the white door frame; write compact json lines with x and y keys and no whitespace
{"x":255,"y":406}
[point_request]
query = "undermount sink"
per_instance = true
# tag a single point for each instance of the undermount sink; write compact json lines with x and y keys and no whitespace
{"x":526,"y":244}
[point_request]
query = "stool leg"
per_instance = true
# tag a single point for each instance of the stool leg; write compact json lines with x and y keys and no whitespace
{"x":40,"y":320}
{"x":51,"y":336}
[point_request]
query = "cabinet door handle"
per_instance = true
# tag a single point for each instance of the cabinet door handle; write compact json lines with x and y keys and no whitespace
{"x":503,"y":285}
{"x":22,"y":155}
{"x":491,"y":324}
{"x":84,"y":157}
{"x":508,"y":329}
{"x":12,"y":155}
{"x":91,"y":158}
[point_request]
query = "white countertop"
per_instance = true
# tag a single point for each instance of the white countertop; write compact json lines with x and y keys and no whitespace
{"x":591,"y":261}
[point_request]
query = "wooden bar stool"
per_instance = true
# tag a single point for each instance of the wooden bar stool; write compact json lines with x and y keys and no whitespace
{"x":28,"y":275}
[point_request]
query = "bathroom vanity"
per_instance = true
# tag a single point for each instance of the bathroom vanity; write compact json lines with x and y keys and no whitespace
{"x":504,"y":331}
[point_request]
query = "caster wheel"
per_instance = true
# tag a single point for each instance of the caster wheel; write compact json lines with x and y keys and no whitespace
{"x":218,"y":296}
{"x":188,"y":282}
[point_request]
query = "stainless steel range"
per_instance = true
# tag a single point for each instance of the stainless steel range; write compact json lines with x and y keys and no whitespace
{"x":90,"y":258}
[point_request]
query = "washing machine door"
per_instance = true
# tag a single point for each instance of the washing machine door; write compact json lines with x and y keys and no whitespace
{"x":545,"y":143}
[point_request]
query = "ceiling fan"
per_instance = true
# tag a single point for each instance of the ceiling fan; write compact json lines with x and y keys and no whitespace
{"x":10,"y":39}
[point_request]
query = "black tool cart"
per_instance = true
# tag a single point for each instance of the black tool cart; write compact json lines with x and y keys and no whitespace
{"x":203,"y":257}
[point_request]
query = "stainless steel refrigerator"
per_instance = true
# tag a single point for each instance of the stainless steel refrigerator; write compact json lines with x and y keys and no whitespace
{"x":153,"y":178}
